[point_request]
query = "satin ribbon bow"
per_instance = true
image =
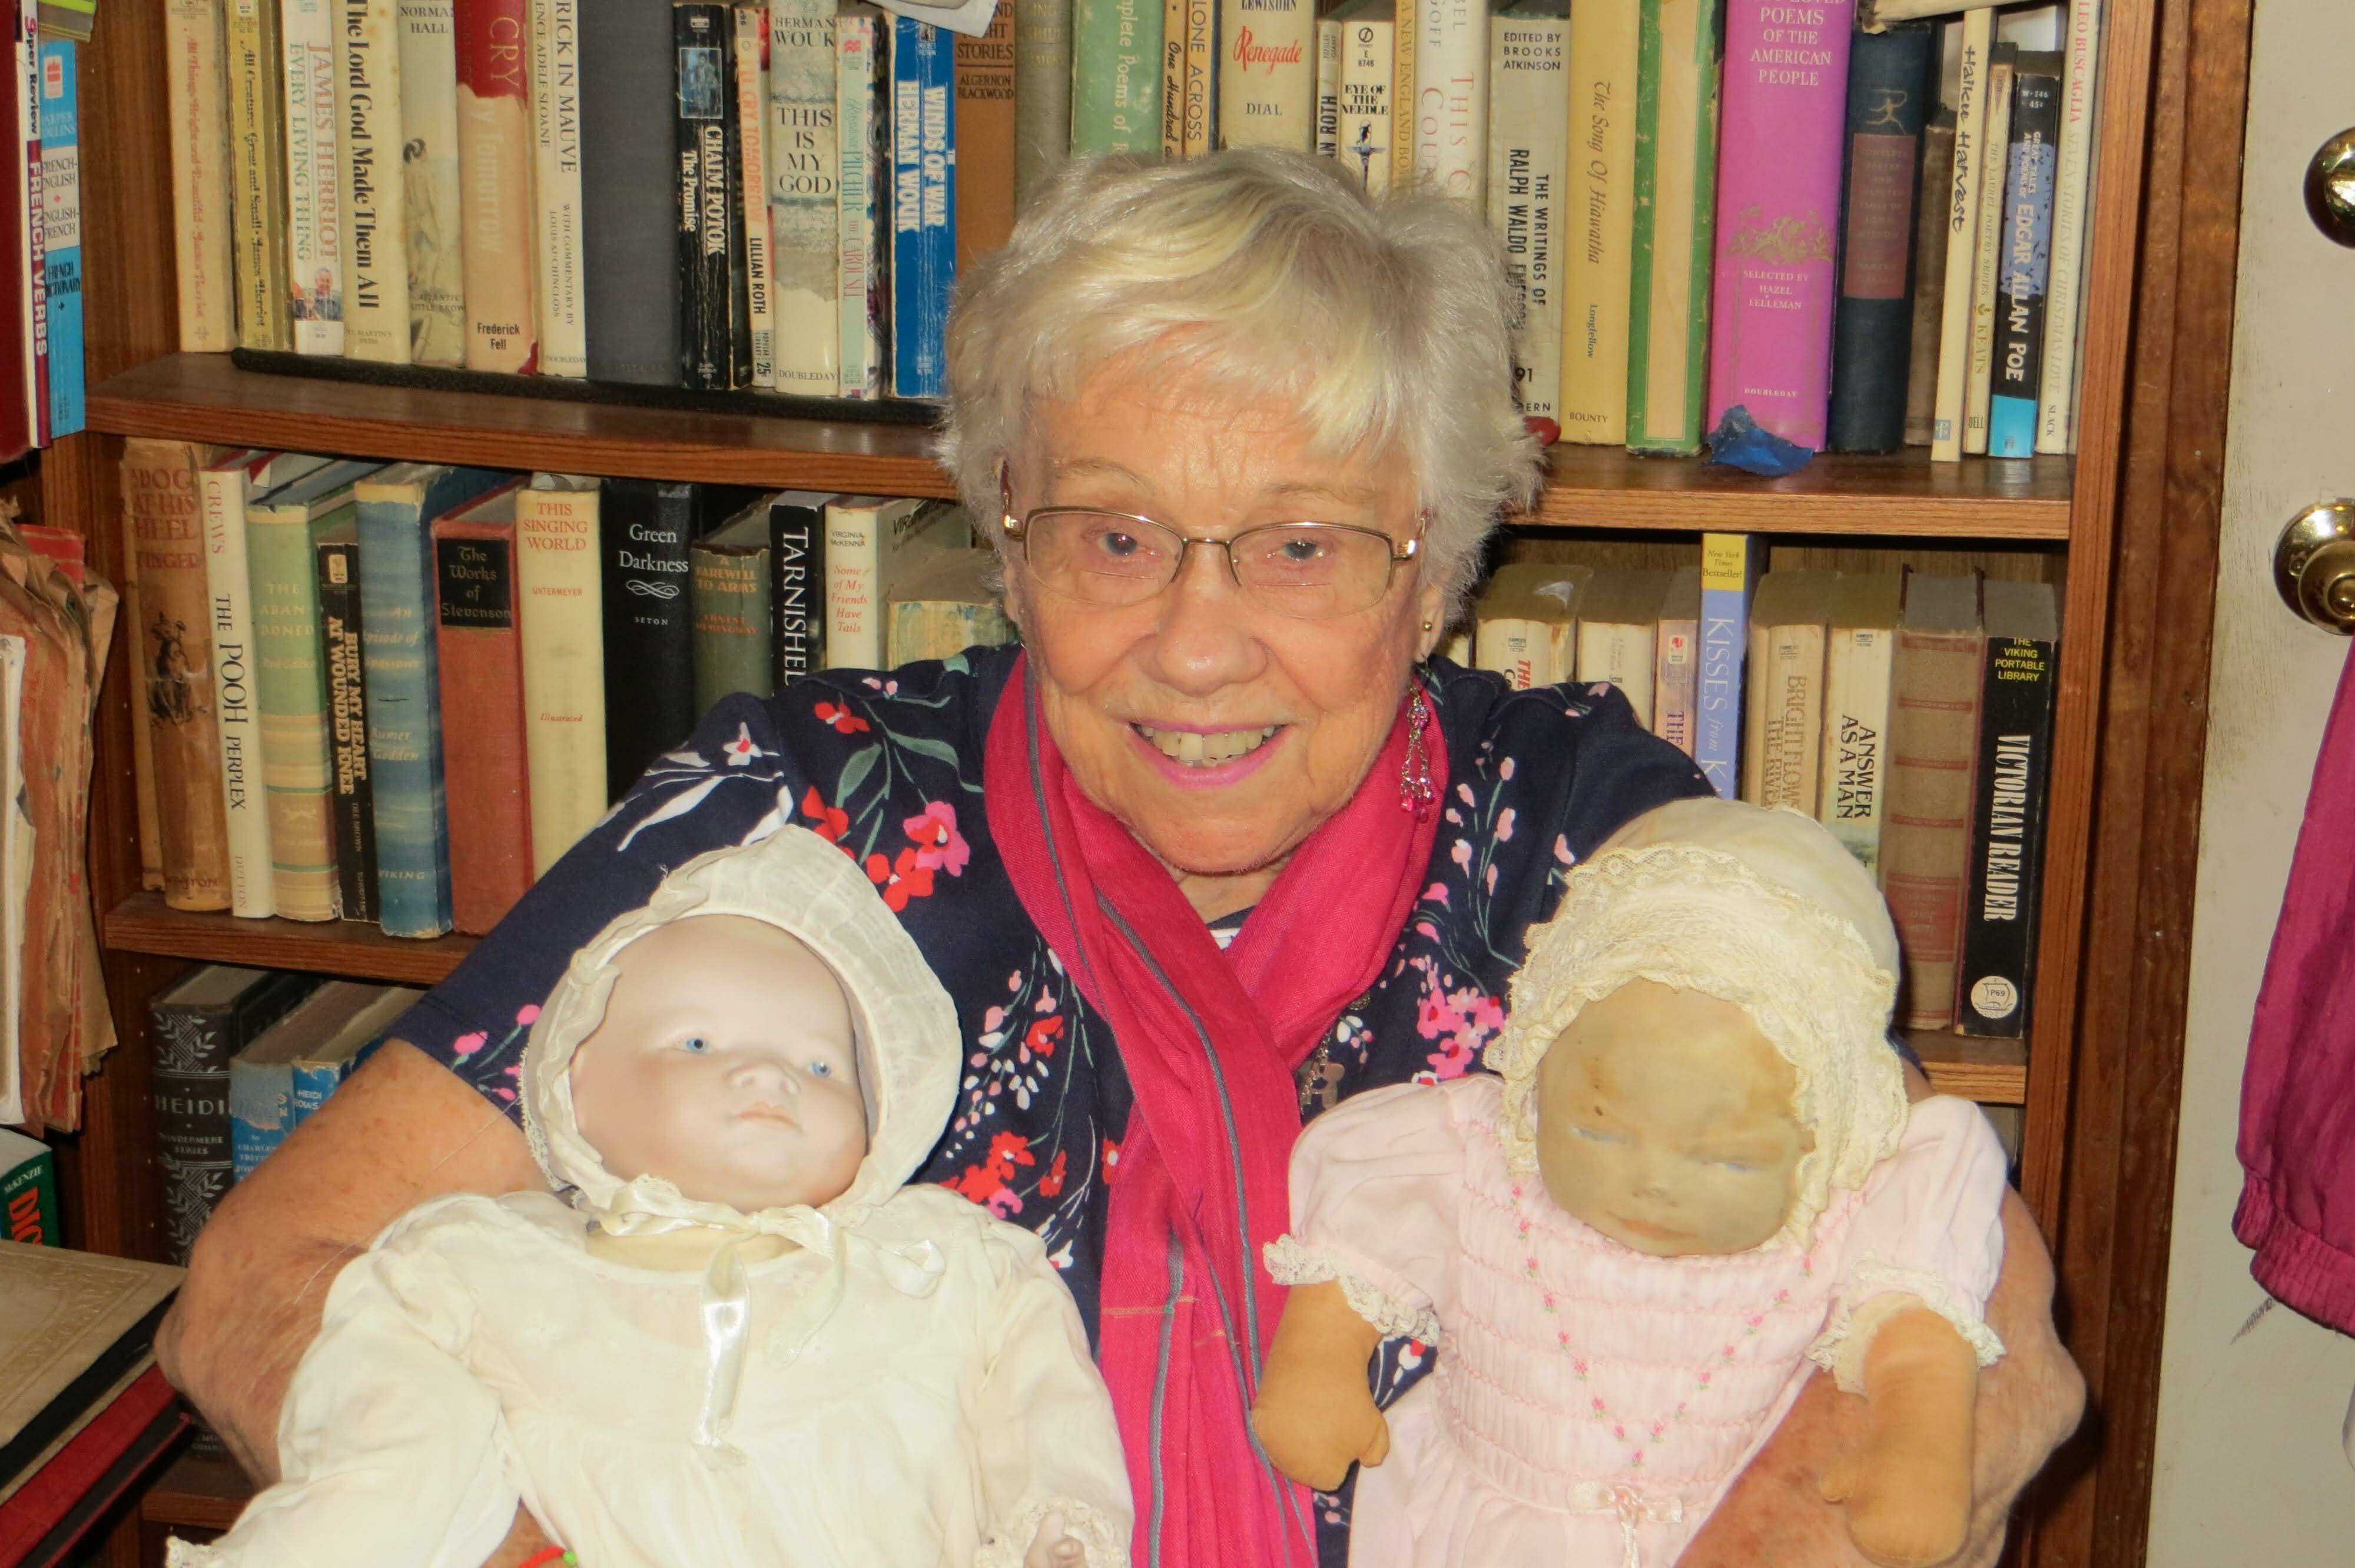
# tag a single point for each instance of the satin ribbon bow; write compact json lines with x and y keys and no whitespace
{"x":1634,"y":1509}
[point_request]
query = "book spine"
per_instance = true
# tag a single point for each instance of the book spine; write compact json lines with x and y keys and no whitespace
{"x":1925,"y":842}
{"x":32,"y":305}
{"x":564,"y":640}
{"x":244,"y":804}
{"x":1329,"y":88}
{"x":1625,"y":656}
{"x":1366,"y":130}
{"x":28,"y":1203}
{"x":1674,"y":683}
{"x":1889,"y":82}
{"x":649,"y":666}
{"x":740,"y":307}
{"x":296,"y":764}
{"x":1598,"y":270}
{"x":1528,"y":153}
{"x":797,"y":589}
{"x":805,"y":195}
{"x":495,"y":175}
{"x":142,"y":741}
{"x":1199,"y":87}
{"x":1730,"y":564}
{"x":351,"y":811}
{"x":1173,"y":84}
{"x":486,"y":774}
{"x":984,"y":138}
{"x":2027,"y":245}
{"x":308,"y":1086}
{"x":433,"y":206}
{"x":630,"y":282}
{"x":375,"y":222}
{"x":257,"y":155}
{"x":1782,"y":721}
{"x":854,"y":572}
{"x":1521,"y":651}
{"x":1267,"y":73}
{"x":196,"y":87}
{"x":189,"y":1079}
{"x":556,"y":109}
{"x":1986,"y":267}
{"x":753,"y":134}
{"x":404,"y":715}
{"x":1676,"y":221}
{"x":1777,"y":204}
{"x":61,"y":232}
{"x":260,"y":1112}
{"x":926,"y":628}
{"x":314,"y":259}
{"x":164,"y":538}
{"x":2071,"y":193}
{"x":728,"y":590}
{"x":1406,"y":32}
{"x":863,"y":297}
{"x":1962,"y":210}
{"x":924,"y":204}
{"x":1451,"y":99}
{"x":2015,"y":764}
{"x":1853,"y":776}
{"x":1930,"y":232}
{"x":1042,"y":91}
{"x":1115,"y":75}
{"x":701,"y":40}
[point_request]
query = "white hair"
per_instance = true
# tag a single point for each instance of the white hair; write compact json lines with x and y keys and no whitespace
{"x":1385,"y":322}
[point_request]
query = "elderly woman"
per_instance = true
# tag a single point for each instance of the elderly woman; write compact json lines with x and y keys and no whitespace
{"x":1221,"y":844}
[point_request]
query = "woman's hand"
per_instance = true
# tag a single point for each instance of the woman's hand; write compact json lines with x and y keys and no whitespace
{"x":402,"y":1131}
{"x":1315,"y":1415}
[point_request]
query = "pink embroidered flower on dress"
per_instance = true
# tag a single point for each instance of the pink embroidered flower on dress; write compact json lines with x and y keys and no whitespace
{"x":939,"y":845}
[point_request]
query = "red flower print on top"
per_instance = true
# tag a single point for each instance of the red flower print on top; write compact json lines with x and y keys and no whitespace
{"x":1050,"y":1185}
{"x":826,"y":822}
{"x":987,"y":1183}
{"x":939,"y":845}
{"x":1039,"y":1039}
{"x":901,"y":879}
{"x":841,"y":718}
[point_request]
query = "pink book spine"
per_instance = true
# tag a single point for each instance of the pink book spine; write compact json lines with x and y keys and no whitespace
{"x":1779,"y":189}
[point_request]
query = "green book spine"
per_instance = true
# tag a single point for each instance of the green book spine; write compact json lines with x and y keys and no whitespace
{"x":733,"y":617}
{"x":28,"y":1191}
{"x":1116,"y":77}
{"x":297,"y":758}
{"x":1676,"y":224}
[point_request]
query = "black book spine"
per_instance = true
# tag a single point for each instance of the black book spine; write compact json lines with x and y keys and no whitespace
{"x":1993,"y":980}
{"x":352,"y":800}
{"x":2033,"y":168}
{"x":190,"y":1089}
{"x":702,"y":35}
{"x":648,"y":528}
{"x":1889,"y":81}
{"x":797,"y":588}
{"x":630,"y":273}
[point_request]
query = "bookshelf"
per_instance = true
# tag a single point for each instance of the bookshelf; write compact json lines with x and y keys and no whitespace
{"x":2108,"y":524}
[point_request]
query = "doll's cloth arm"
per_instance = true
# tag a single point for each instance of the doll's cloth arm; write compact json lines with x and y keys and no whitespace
{"x":1375,"y":1185}
{"x":1050,"y":1444}
{"x":1930,"y":1234}
{"x":392,"y":1455}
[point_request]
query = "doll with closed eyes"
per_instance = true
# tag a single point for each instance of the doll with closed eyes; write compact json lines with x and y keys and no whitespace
{"x":733,"y":1334}
{"x":1693,"y":1178}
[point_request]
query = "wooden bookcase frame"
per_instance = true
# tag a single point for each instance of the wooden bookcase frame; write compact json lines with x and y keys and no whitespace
{"x":2128,"y":736}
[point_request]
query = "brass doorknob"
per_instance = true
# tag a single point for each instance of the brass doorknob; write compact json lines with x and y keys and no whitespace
{"x":2314,"y":565}
{"x":2330,"y":188}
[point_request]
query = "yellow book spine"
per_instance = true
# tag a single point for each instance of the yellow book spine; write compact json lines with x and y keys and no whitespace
{"x":563,"y":663}
{"x":1201,"y":70}
{"x":1600,"y":239}
{"x":1402,"y":93}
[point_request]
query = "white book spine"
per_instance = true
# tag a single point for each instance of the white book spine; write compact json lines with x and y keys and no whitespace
{"x":1328,"y":87}
{"x":196,"y":87}
{"x":1529,"y":152}
{"x":1451,"y":99}
{"x":858,"y":539}
{"x":1850,"y":780}
{"x":752,"y":117}
{"x":1267,"y":75}
{"x":221,"y":494}
{"x":803,"y":159}
{"x":1526,"y":652}
{"x":2064,"y":306}
{"x":556,"y":185}
{"x":376,"y":244}
{"x":1962,"y":204}
{"x":860,"y":299}
{"x":315,"y":246}
{"x":429,"y":176}
{"x":1622,"y":654}
{"x":1367,"y":126}
{"x":558,"y":595}
{"x":1987,"y":268}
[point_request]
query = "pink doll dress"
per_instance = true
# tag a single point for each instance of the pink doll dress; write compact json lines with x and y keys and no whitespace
{"x":1591,"y":1404}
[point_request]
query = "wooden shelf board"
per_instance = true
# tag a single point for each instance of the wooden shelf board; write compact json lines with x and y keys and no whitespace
{"x":197,"y":1492}
{"x":205,"y":398}
{"x":1993,"y":1072}
{"x":352,"y":949}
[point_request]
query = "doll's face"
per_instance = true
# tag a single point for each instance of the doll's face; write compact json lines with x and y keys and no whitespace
{"x":1664,"y":1120}
{"x":725,"y":1063}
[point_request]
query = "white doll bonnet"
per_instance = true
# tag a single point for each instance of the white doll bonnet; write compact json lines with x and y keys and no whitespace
{"x":1761,"y":908}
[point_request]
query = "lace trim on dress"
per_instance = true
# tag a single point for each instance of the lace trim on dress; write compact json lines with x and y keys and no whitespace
{"x":179,"y":1553}
{"x":1290,"y":1263}
{"x":1007,"y":1545}
{"x":1879,"y":1292}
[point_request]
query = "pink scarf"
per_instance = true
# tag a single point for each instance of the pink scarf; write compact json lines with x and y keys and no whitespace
{"x":1210,"y":1040}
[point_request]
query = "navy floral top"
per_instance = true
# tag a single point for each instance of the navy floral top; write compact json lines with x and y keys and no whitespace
{"x":890,"y":766}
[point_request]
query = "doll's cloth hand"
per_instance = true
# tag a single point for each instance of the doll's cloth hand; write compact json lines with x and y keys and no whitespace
{"x":1903,"y":1512}
{"x":1315,"y":1434}
{"x":1053,"y":1547}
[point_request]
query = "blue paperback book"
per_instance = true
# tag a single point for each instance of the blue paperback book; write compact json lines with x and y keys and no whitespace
{"x":1730,"y":565}
{"x":923,"y":205}
{"x":2027,"y":256}
{"x":60,"y":114}
{"x":397,"y":601}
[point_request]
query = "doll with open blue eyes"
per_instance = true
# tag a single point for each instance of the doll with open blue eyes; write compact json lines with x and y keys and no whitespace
{"x":1693,"y":1178}
{"x":733,"y":1334}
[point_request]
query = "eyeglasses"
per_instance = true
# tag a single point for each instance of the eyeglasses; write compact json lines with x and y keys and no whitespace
{"x":1311,"y":571}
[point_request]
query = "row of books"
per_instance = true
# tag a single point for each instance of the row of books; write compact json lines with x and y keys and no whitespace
{"x":703,"y":195}
{"x":306,"y":623}
{"x":41,"y":373}
{"x":1909,"y":713}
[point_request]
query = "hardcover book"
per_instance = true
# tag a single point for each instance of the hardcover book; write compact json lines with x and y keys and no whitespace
{"x":1042,"y":90}
{"x":1528,"y":173}
{"x":648,"y":528}
{"x":1677,"y":670}
{"x":60,"y":177}
{"x":870,"y":543}
{"x":1889,"y":81}
{"x":478,"y":648}
{"x":1267,"y":77}
{"x":28,"y":1191}
{"x":494,"y":174}
{"x":1730,"y":565}
{"x":2072,"y":199}
{"x":351,"y":804}
{"x":1930,"y":231}
{"x":805,"y":192}
{"x":1962,"y":209}
{"x":1858,"y":649}
{"x":1783,"y":712}
{"x":1598,"y":275}
{"x":629,"y":194}
{"x":1526,"y":622}
{"x":2016,"y":694}
{"x":1925,"y":842}
{"x":1115,"y":74}
{"x":862,"y":132}
{"x":1675,"y":223}
{"x":74,"y":1326}
{"x":1618,"y":633}
{"x":729,"y":587}
{"x":257,"y":68}
{"x":555,"y":110}
{"x":708,"y":219}
{"x":372,"y":186}
{"x":558,"y":580}
{"x":261,"y":1076}
{"x":195,"y":1027}
{"x":948,"y":604}
{"x":797,"y":583}
{"x":923,"y":199}
{"x":196,"y":89}
{"x":315,"y":225}
{"x":984,"y":137}
{"x":1451,"y":99}
{"x":2025,"y":239}
{"x":432,"y":203}
{"x":319,"y":1070}
{"x":1198,"y":86}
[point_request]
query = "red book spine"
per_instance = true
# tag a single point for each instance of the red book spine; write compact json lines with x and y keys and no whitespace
{"x":484,"y":770}
{"x":495,"y":158}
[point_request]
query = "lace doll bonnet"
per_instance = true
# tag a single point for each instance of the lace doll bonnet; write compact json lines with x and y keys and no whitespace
{"x":1761,"y":908}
